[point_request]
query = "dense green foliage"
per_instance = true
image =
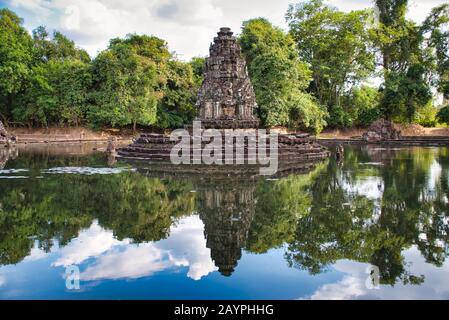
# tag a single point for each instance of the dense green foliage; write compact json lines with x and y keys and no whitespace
{"x":405,"y":94}
{"x":363,"y":105}
{"x":279,"y":77}
{"x":135,"y":81}
{"x":443,"y":115}
{"x":16,"y":57}
{"x":336,"y":46}
{"x":127,"y":81}
{"x":414,"y":58}
{"x":313,"y":76}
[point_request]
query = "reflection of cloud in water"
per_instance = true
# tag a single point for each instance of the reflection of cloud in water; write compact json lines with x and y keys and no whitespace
{"x":352,"y":286}
{"x":11,"y":171}
{"x":2,"y":280}
{"x":14,"y":177}
{"x":370,"y":187}
{"x":36,"y":253}
{"x":132,"y":262}
{"x":186,"y":246}
{"x":115,"y":259}
{"x":434,"y":174}
{"x":91,"y":242}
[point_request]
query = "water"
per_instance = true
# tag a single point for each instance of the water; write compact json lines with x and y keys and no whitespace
{"x":134,"y":232}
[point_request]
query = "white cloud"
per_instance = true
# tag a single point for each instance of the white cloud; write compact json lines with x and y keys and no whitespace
{"x":370,"y":187}
{"x":39,"y":7}
{"x":186,"y":246}
{"x":36,"y":254}
{"x":113,"y":259}
{"x":133,"y":262}
{"x":91,"y":242}
{"x":352,"y":286}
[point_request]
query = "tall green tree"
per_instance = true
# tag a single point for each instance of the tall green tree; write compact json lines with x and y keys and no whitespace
{"x":16,"y":58}
{"x":59,"y":47}
{"x":336,"y":45}
{"x":279,"y":77}
{"x":128,"y":80}
{"x":436,"y":27}
{"x":394,"y":34}
{"x":405,"y":94}
{"x":414,"y":58}
{"x":59,"y":81}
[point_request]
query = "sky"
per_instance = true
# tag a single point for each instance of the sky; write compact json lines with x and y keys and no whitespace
{"x":187,"y":25}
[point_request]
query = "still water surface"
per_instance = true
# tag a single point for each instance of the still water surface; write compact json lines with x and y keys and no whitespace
{"x":137,"y":234}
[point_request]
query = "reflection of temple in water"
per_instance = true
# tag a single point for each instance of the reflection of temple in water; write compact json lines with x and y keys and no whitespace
{"x":227,"y":210}
{"x":226,"y":203}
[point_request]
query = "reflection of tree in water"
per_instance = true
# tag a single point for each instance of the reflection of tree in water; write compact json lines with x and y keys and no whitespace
{"x":315,"y":214}
{"x":348,"y":225}
{"x":56,"y":208}
{"x":280,"y":203}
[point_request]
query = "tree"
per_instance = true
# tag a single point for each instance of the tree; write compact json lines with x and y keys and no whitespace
{"x":197,"y":64}
{"x":393,"y":34}
{"x":336,"y":45}
{"x":128,"y":79}
{"x":437,"y":45}
{"x":364,"y":105}
{"x":279,"y":77}
{"x":57,"y":48}
{"x":177,"y":107}
{"x":443,"y":115}
{"x":405,"y":94}
{"x":15,"y":60}
{"x":38,"y":104}
{"x":58,"y":84}
{"x":414,"y":58}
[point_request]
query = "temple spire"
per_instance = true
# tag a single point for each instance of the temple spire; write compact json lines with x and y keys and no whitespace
{"x":226,"y":98}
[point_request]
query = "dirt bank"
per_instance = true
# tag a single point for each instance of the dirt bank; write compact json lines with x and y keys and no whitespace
{"x":406,"y":131}
{"x":76,"y":134}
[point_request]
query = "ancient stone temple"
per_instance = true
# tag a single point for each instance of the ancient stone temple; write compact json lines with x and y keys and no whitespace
{"x":226,"y":98}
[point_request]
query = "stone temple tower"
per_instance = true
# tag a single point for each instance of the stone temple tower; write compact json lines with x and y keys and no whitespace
{"x":226,"y":99}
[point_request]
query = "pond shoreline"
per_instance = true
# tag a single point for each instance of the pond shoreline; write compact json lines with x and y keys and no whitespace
{"x":429,"y":141}
{"x":56,"y":135}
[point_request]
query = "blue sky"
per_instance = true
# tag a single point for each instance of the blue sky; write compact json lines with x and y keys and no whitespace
{"x":187,"y":25}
